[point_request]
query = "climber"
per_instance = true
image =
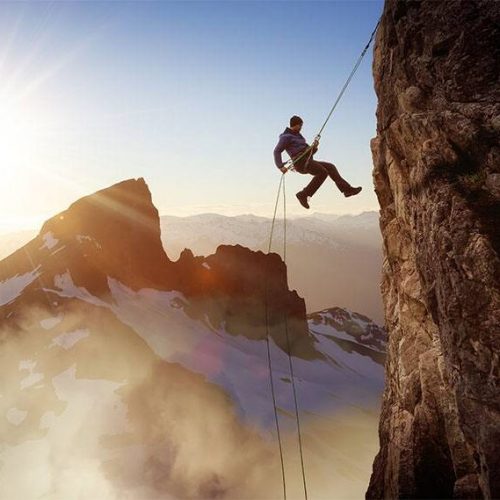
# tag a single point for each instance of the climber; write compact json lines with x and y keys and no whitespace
{"x":294,"y":143}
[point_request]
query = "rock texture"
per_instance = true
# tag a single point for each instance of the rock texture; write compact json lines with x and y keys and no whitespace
{"x":362,"y":335}
{"x":436,"y":174}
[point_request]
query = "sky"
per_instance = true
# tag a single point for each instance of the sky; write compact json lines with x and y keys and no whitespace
{"x":191,"y":96}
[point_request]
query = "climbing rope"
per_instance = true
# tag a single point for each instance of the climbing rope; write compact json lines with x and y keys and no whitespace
{"x":290,"y":364}
{"x":290,"y":165}
{"x":269,"y":361}
{"x":309,"y":149}
{"x":292,"y":375}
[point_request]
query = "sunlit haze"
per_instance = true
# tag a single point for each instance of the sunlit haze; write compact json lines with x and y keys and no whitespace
{"x":189,"y":95}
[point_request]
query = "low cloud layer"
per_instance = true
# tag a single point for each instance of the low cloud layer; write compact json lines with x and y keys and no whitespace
{"x":99,"y":415}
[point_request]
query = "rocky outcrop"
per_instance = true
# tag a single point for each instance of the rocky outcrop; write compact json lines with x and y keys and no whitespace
{"x":436,"y":174}
{"x":358,"y":333}
{"x":238,"y":288}
{"x":114,"y":232}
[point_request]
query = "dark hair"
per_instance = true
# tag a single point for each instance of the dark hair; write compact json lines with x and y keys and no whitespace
{"x":295,"y":120}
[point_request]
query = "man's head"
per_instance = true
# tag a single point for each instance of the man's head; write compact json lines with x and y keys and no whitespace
{"x":296,"y":123}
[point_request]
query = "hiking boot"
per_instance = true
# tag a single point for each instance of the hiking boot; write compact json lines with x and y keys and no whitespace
{"x":302,"y":197}
{"x":351,"y":191}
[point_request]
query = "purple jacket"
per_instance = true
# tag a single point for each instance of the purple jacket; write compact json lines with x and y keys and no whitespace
{"x":291,"y":141}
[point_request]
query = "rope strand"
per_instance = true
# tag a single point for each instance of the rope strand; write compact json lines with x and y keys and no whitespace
{"x":346,"y":84}
{"x":292,"y":375}
{"x":290,"y":364}
{"x":269,"y":362}
{"x":356,"y":66}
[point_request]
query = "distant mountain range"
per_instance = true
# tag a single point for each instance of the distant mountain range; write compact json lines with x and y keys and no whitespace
{"x":205,"y":232}
{"x":125,"y":374}
{"x":331,"y":259}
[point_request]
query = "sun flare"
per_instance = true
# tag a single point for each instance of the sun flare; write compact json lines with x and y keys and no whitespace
{"x":19,"y":136}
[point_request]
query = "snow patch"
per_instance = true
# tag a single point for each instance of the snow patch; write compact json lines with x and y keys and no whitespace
{"x":29,"y":365}
{"x":31,"y":379}
{"x":49,"y":241}
{"x":157,"y":316}
{"x":15,"y":416}
{"x":83,"y":237}
{"x":329,"y":331}
{"x":11,"y":288}
{"x":49,"y":323}
{"x":66,"y":288}
{"x":69,"y":339}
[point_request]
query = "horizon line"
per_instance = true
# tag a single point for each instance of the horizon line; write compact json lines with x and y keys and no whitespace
{"x":36,"y":222}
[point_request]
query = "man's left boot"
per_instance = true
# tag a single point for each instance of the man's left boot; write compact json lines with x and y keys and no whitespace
{"x":302,"y":197}
{"x":351,"y":191}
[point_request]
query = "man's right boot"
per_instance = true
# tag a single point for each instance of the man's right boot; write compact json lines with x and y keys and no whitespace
{"x":302,"y":197}
{"x":351,"y":191}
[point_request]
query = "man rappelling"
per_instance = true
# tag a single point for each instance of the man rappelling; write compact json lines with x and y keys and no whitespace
{"x":293,"y":142}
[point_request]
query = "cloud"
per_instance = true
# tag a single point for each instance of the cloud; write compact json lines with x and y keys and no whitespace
{"x":108,"y":419}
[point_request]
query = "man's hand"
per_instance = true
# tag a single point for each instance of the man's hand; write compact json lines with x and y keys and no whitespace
{"x":284,"y":170}
{"x":315,"y":145}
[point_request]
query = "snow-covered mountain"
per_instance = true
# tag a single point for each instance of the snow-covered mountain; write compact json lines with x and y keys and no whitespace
{"x":204,"y":232}
{"x":125,"y":374}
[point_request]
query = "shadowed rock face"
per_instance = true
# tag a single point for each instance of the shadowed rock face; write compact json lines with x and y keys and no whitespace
{"x":437,"y":178}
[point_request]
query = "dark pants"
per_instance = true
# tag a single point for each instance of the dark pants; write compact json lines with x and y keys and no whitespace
{"x":320,"y":170}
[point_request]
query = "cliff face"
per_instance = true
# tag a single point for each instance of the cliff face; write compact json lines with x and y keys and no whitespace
{"x":437,"y":178}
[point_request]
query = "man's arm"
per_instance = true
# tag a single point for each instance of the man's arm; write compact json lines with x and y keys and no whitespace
{"x":278,"y":150}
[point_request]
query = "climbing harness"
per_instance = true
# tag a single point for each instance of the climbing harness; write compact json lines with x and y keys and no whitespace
{"x":290,"y":165}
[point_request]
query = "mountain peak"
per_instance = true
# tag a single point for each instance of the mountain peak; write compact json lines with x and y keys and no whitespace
{"x":113,"y":232}
{"x":109,"y":213}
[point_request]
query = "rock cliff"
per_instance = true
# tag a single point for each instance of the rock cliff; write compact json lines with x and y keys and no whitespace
{"x":437,"y":178}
